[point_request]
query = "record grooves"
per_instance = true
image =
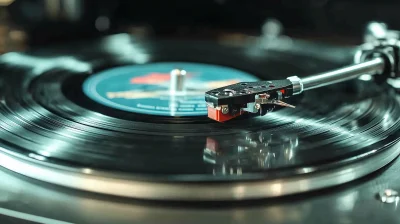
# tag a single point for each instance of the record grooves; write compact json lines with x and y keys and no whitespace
{"x":45,"y":112}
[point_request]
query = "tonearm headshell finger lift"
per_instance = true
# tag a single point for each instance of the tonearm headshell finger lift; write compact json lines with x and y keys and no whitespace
{"x":377,"y":57}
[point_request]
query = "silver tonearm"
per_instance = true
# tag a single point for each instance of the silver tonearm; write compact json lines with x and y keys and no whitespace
{"x":379,"y":55}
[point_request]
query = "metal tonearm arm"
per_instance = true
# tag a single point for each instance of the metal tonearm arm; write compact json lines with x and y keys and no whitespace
{"x":380,"y":56}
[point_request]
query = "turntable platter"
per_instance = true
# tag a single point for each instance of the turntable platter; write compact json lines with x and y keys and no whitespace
{"x":56,"y":129}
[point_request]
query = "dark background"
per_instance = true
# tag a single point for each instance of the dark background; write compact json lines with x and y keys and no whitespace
{"x":59,"y":20}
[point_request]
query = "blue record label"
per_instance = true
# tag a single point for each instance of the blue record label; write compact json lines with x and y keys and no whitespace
{"x":146,"y":88}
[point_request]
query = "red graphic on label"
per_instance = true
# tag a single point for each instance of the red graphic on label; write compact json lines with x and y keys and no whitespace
{"x":151,"y":78}
{"x":154,"y":78}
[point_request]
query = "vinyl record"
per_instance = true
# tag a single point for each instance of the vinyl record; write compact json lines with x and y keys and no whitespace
{"x":99,"y":116}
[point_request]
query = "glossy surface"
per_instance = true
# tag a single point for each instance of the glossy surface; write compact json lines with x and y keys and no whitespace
{"x":45,"y":117}
{"x":352,"y":203}
{"x":330,"y":127}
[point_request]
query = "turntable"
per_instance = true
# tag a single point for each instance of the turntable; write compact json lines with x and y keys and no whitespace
{"x":116,"y":130}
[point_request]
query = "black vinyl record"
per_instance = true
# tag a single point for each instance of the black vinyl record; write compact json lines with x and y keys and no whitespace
{"x":47,"y":116}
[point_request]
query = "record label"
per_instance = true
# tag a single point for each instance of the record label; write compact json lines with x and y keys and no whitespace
{"x":146,"y":88}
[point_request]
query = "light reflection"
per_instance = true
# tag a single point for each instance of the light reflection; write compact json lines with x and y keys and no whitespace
{"x":387,"y":121}
{"x":6,"y":2}
{"x":121,"y":44}
{"x":87,"y":171}
{"x":37,"y":157}
{"x":276,"y":189}
{"x":45,"y":153}
{"x":394,"y":82}
{"x":374,"y":31}
{"x":365,"y":77}
{"x":299,"y":120}
{"x":263,"y":150}
{"x":39,"y":65}
{"x":54,"y":146}
{"x":306,"y":170}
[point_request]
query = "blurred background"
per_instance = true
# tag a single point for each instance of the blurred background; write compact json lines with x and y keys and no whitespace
{"x":34,"y":23}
